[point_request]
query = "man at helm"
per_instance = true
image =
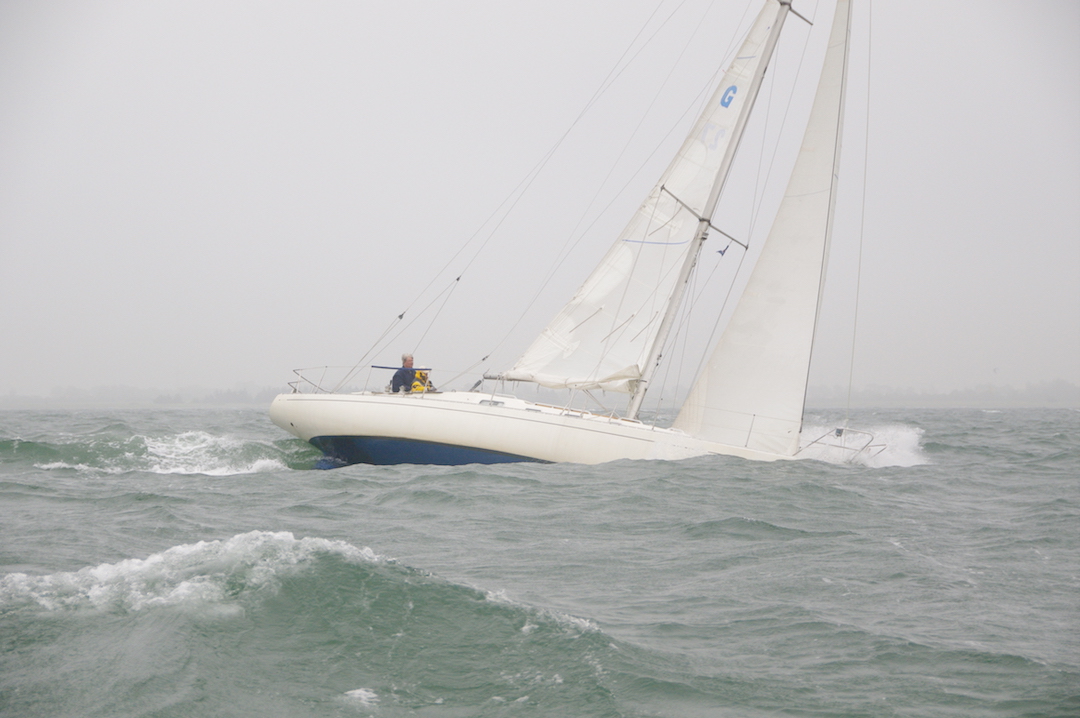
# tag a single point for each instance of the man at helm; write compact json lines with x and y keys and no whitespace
{"x":408,"y":379}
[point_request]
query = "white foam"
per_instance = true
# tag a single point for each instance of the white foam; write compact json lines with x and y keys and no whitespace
{"x":886,"y":445}
{"x":198,"y":452}
{"x":190,"y":452}
{"x":62,"y":465}
{"x":583,"y":625}
{"x":364,"y":696}
{"x":216,"y":574}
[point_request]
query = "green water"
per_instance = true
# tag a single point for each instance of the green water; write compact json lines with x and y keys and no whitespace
{"x":189,"y":563}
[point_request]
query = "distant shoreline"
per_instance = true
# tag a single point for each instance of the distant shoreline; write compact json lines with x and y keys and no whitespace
{"x":1048,"y":395}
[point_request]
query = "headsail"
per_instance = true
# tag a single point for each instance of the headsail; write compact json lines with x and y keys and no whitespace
{"x":752,"y":393}
{"x":603,"y":337}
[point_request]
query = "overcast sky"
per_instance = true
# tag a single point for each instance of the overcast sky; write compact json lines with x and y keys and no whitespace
{"x":212,"y":193}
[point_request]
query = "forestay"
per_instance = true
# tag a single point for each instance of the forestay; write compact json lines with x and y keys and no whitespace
{"x":602,"y":338}
{"x":753,"y":390}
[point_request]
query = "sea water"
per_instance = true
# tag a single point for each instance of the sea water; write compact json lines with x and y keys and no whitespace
{"x":196,"y":563}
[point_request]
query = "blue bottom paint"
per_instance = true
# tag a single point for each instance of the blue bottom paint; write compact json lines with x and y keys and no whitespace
{"x":382,"y":450}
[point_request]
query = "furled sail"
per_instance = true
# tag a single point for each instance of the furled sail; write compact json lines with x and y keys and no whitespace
{"x":603,"y":336}
{"x":754,"y":387}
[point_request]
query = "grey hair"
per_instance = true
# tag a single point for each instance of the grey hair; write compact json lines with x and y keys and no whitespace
{"x":406,"y":357}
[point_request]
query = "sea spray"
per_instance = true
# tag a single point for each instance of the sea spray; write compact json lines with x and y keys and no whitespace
{"x":876,"y":445}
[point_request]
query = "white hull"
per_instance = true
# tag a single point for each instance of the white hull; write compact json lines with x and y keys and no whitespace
{"x":469,"y":427}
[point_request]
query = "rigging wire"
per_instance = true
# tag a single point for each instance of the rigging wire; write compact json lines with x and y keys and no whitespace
{"x":442,"y":306}
{"x":862,"y":207}
{"x":563,"y":252}
{"x":516,"y":195}
{"x":356,"y":367}
{"x":701,"y":97}
{"x":531,"y":176}
{"x":759,"y":194}
{"x":686,"y":316}
{"x":626,"y":288}
{"x":518,"y":191}
{"x":684,"y":322}
{"x":522,"y":187}
{"x":682,"y":328}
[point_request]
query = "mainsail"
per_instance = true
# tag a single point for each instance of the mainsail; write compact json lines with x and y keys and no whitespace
{"x":753,"y":390}
{"x":604,"y":337}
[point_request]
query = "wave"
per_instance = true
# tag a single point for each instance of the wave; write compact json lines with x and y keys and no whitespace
{"x":326,"y":614}
{"x":228,"y":571}
{"x":752,"y":530}
{"x":200,"y":574}
{"x":198,"y":452}
{"x":264,"y":623}
{"x":116,"y":451}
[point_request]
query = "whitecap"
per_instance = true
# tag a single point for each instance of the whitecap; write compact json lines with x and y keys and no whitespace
{"x":365,"y":696}
{"x":61,"y":465}
{"x":199,"y":452}
{"x":218,"y":574}
{"x":189,"y":452}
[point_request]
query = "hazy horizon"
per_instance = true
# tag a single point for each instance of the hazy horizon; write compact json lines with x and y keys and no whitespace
{"x":198,"y":194}
{"x":1048,"y":395}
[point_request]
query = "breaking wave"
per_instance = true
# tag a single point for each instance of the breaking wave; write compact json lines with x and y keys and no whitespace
{"x":187,"y":452}
{"x":204,"y":573}
{"x":342,"y":624}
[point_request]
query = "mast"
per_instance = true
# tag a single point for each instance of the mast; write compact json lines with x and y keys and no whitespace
{"x":705,"y":220}
{"x":752,"y":390}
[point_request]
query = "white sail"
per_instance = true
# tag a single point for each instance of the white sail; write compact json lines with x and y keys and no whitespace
{"x":603,"y":336}
{"x":752,"y":392}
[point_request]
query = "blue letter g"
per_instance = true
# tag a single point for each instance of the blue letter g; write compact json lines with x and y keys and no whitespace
{"x":728,"y":96}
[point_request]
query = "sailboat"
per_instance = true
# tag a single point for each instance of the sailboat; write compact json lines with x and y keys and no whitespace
{"x":749,"y":399}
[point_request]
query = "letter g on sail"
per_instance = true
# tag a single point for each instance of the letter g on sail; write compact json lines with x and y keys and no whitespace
{"x":728,"y":96}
